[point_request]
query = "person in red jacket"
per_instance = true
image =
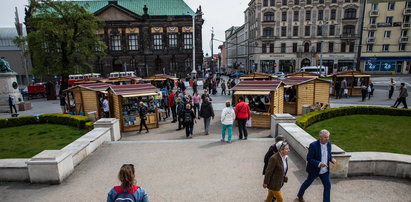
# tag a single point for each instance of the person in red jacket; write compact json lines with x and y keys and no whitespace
{"x":242,"y":113}
{"x":172,"y":105}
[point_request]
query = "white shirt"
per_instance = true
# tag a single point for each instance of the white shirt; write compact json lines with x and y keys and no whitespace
{"x":324,"y":157}
{"x":106,"y":107}
{"x":284,"y":158}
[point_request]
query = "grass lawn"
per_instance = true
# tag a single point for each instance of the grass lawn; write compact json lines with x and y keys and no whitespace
{"x":29,"y":140}
{"x":375,"y":133}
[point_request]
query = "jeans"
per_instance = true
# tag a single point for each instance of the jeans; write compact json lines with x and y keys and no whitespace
{"x":230,"y":131}
{"x":325,"y":179}
{"x":173,"y":111}
{"x":11,"y":108}
{"x":143,"y":123}
{"x":207,"y":125}
{"x":196,"y":109}
{"x":401,"y":100}
{"x":241,"y":128}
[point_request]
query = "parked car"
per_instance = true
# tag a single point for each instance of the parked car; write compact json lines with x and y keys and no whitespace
{"x":236,"y":75}
{"x":279,"y":74}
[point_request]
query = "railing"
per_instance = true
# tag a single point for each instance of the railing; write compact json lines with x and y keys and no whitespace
{"x":403,"y":39}
{"x":407,"y":11}
{"x":371,"y":40}
{"x":405,"y":25}
{"x":374,"y":13}
{"x":372,"y":26}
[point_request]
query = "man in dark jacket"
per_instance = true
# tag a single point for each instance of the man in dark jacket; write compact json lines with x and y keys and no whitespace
{"x":402,"y":97}
{"x":142,"y":111}
{"x":271,"y":151}
{"x":206,"y":112}
{"x":180,"y":108}
{"x":188,"y":119}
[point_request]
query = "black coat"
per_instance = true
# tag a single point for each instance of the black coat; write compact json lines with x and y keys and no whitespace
{"x":271,"y":151}
{"x":206,"y":110}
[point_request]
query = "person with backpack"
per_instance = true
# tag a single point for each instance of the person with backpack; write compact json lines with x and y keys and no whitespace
{"x":188,"y":119}
{"x":206,"y":112}
{"x":227,"y":120}
{"x":180,"y":108}
{"x":142,"y":111}
{"x":127,"y":191}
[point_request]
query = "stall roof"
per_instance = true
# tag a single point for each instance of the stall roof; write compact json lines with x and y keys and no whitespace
{"x":302,"y":74}
{"x":258,"y":75}
{"x":350,"y":73}
{"x":292,"y":81}
{"x":134,"y":90}
{"x":159,"y":77}
{"x":92,"y":86}
{"x":257,"y":85}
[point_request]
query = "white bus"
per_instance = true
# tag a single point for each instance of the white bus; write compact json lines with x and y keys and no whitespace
{"x":121,"y":74}
{"x":323,"y":70}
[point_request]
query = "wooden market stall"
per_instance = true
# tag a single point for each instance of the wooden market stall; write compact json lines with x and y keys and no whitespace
{"x":258,"y":76}
{"x":159,"y":79}
{"x":303,"y":74}
{"x":122,"y":80}
{"x":265,"y":97}
{"x":124,"y":100}
{"x":300,"y":91}
{"x":354,"y":80}
{"x":86,"y":98}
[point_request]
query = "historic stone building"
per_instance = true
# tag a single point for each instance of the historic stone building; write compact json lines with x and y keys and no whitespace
{"x":236,"y":44}
{"x":147,"y":37}
{"x":285,"y":35}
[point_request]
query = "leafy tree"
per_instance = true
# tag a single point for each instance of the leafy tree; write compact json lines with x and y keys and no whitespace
{"x":62,"y":38}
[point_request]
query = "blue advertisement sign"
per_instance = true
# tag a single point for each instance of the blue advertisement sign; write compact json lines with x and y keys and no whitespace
{"x":372,"y":66}
{"x":386,"y":66}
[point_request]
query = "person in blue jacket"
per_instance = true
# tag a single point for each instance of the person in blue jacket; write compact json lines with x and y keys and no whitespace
{"x":318,"y":163}
{"x":127,"y":190}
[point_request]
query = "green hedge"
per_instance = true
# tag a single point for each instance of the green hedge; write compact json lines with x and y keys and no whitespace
{"x":65,"y":119}
{"x":89,"y":125}
{"x":19,"y":121}
{"x":314,"y":117}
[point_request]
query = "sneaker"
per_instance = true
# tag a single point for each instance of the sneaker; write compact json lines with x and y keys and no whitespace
{"x":245,"y":138}
{"x":229,"y":141}
{"x":222,"y":140}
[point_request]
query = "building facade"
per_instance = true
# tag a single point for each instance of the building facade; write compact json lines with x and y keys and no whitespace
{"x":147,"y":37}
{"x":237,"y":49}
{"x":385,"y":43}
{"x":286,"y":35}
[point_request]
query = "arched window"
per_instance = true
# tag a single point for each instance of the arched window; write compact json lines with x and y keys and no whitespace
{"x":350,"y":13}
{"x":269,"y":16}
{"x":349,"y":29}
{"x":268,"y":31}
{"x":306,"y":47}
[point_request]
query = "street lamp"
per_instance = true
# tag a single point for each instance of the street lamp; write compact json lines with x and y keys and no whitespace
{"x":193,"y":16}
{"x":321,"y":46}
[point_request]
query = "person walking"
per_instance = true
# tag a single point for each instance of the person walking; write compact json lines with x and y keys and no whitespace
{"x":195,"y":85}
{"x":223,"y":88}
{"x":196,"y":103}
{"x":227,"y":120}
{"x":402,"y":97}
{"x":127,"y":191}
{"x":142,"y":111}
{"x":370,"y":89}
{"x":229,"y":86}
{"x":391,"y":88}
{"x":271,"y":151}
{"x":188,"y":120}
{"x":242,"y":112}
{"x":63,"y":104}
{"x":364,"y":91}
{"x":206,"y":112}
{"x":206,"y":95}
{"x":106,"y":108}
{"x":318,"y":163}
{"x":275,"y":175}
{"x":12,"y":104}
{"x":180,"y":108}
{"x":172,"y":105}
{"x":344,"y":87}
{"x":337,"y":88}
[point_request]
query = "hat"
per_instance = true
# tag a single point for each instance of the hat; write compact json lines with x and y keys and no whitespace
{"x":278,"y":145}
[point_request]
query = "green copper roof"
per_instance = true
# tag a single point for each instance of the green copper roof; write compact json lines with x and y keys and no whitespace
{"x":155,"y":7}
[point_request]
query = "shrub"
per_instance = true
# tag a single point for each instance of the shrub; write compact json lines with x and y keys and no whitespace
{"x":89,"y":125}
{"x":19,"y":121}
{"x":314,"y":117}
{"x":65,"y":119}
{"x":3,"y":123}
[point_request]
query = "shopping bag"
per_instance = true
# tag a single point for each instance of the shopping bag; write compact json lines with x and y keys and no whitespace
{"x":248,"y":123}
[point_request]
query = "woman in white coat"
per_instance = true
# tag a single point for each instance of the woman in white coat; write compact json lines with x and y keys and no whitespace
{"x":227,"y":120}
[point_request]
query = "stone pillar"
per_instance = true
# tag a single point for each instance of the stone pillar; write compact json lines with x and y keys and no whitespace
{"x":50,"y":166}
{"x":8,"y":86}
{"x":112,"y":123}
{"x":340,"y":168}
{"x":279,"y":118}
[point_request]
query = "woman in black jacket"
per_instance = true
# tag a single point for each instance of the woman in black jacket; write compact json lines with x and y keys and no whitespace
{"x":142,"y":111}
{"x":188,"y":118}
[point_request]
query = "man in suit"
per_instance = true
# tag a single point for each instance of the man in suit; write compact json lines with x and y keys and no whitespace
{"x":318,"y":159}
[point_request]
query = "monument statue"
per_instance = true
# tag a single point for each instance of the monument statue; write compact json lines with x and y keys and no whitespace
{"x":4,"y":66}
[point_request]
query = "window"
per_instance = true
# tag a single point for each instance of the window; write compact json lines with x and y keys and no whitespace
{"x":295,"y":30}
{"x":385,"y":47}
{"x":268,"y":31}
{"x":296,"y":15}
{"x":318,"y":47}
{"x":350,"y":13}
{"x":284,"y":2}
{"x":333,"y":14}
{"x":284,"y":16}
{"x":271,"y":48}
{"x":347,"y":1}
{"x":132,"y":42}
{"x":343,"y":47}
{"x":388,"y":20}
{"x":269,"y":16}
{"x":308,"y":15}
{"x":319,"y":30}
{"x":188,"y":41}
{"x":272,"y":2}
{"x":294,"y":47}
{"x":333,"y":1}
{"x":265,"y":3}
{"x":283,"y":31}
{"x":307,"y":31}
{"x":387,"y":34}
{"x":264,"y":48}
{"x":157,"y":41}
{"x":321,"y":1}
{"x":404,"y":33}
{"x":332,"y":30}
{"x":371,"y":34}
{"x":370,"y":47}
{"x":351,"y":47}
{"x":283,"y":48}
{"x":172,"y":40}
{"x":320,"y":14}
{"x":408,"y":4}
{"x":308,"y":1}
{"x":406,"y":19}
{"x":349,"y":30}
{"x":296,"y":2}
{"x":306,"y":47}
{"x":402,"y":47}
{"x":188,"y":63}
{"x":116,"y":42}
{"x":373,"y":20}
{"x":374,"y":7}
{"x":391,"y":6}
{"x":330,"y":47}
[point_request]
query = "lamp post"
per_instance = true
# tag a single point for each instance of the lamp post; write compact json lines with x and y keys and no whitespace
{"x":194,"y":72}
{"x":321,"y":46}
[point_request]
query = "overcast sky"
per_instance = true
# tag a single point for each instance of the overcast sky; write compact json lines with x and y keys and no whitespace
{"x":220,"y":14}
